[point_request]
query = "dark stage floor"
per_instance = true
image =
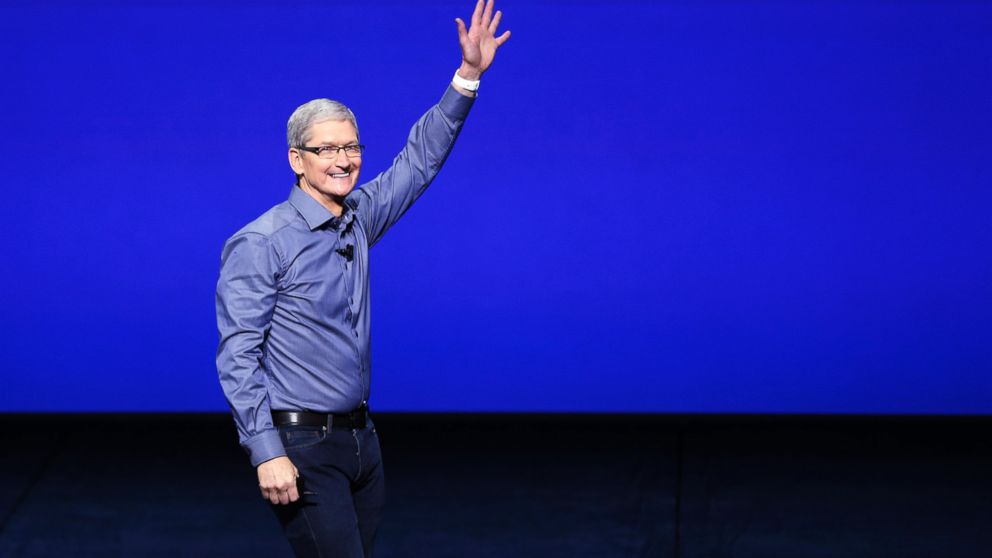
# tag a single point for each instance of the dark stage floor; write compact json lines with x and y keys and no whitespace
{"x":519,"y":486}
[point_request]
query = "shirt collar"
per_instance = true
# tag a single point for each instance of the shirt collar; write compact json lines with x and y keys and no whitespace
{"x":315,"y":214}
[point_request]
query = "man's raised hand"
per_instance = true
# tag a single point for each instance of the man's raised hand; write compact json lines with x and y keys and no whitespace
{"x":479,"y":42}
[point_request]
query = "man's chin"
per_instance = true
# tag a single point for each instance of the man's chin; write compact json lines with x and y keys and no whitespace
{"x":341,"y":193}
{"x":335,"y":195}
{"x":340,"y":190}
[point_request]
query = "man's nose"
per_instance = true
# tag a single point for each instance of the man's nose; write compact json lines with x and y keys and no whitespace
{"x":341,"y":159}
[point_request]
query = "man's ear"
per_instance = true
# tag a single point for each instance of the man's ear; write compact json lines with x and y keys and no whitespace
{"x":296,"y":161}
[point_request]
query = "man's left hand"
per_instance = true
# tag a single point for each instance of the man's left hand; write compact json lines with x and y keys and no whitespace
{"x":479,"y":42}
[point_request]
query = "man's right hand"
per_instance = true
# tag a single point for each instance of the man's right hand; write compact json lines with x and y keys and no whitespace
{"x":277,"y":479}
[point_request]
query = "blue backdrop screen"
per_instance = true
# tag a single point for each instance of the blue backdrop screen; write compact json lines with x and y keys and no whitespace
{"x":654,"y":206}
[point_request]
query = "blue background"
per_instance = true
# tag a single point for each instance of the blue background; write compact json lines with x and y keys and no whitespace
{"x":754,"y":207}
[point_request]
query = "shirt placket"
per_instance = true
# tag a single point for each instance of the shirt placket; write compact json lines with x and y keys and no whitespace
{"x":347,"y":238}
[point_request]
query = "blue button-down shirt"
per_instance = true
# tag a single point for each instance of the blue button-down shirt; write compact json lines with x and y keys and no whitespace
{"x":293,"y":312}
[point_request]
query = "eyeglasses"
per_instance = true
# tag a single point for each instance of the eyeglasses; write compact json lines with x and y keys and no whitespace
{"x":331,"y":151}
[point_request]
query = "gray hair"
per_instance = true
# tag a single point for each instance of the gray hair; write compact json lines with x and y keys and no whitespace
{"x":308,"y":114}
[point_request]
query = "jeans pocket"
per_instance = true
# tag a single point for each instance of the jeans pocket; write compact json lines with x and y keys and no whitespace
{"x":298,"y":437}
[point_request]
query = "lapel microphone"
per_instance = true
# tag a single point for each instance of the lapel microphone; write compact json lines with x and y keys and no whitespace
{"x":348,"y":252}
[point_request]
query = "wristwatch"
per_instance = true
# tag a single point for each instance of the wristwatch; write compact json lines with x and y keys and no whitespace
{"x":467,"y":84}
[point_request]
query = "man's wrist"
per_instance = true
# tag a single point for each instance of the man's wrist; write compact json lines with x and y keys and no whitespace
{"x":465,"y":86}
{"x":468,"y":72}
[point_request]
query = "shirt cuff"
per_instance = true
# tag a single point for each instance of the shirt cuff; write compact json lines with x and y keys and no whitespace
{"x":455,"y":105}
{"x":264,"y":446}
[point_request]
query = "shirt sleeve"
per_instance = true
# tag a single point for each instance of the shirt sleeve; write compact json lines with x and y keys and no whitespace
{"x":386,"y":198}
{"x":246,"y":298}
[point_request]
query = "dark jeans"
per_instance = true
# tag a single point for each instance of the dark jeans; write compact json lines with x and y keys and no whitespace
{"x":341,"y":491}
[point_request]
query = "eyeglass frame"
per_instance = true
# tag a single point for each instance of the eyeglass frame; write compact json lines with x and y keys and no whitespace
{"x":316,"y":150}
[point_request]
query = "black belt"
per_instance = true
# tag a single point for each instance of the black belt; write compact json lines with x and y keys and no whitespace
{"x":354,"y":419}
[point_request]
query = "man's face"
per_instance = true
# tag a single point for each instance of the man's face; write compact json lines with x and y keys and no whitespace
{"x":328,"y":180}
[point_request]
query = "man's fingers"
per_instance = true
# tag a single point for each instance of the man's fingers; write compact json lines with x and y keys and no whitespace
{"x":281,"y":496}
{"x":502,"y":38}
{"x":462,"y":32}
{"x":487,"y":14}
{"x":477,"y":14}
{"x":272,"y":495}
{"x":282,"y":492}
{"x":495,"y":23}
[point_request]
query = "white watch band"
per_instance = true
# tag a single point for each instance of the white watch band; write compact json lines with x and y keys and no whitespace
{"x":466,"y":84}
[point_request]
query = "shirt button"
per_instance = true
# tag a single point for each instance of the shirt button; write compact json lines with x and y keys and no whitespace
{"x":351,"y":300}
{"x":355,"y":332}
{"x":348,"y":314}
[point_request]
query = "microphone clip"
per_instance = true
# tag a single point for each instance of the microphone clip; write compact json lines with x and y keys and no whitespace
{"x":348,"y":252}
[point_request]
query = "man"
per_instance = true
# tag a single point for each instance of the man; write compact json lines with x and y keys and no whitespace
{"x":293,"y":311}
